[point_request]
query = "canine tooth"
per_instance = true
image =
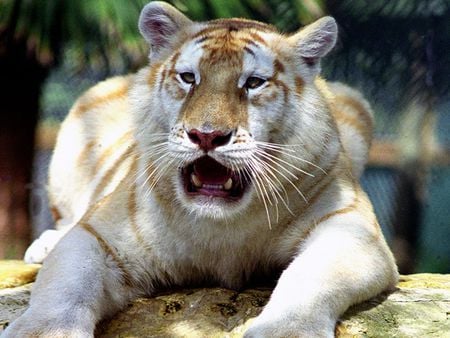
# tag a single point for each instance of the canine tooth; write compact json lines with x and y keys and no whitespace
{"x":196,"y":181}
{"x":228,"y":184}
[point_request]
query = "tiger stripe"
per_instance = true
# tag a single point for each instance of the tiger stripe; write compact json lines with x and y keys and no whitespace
{"x":278,"y":66}
{"x":99,"y":95}
{"x":172,"y":62}
{"x":126,"y":276}
{"x":153,"y":74}
{"x":255,"y":36}
{"x":365,"y":208}
{"x":86,"y":153}
{"x":357,"y":106}
{"x":299,"y":85}
{"x":262,"y":100}
{"x":346,"y":210}
{"x":56,"y":214}
{"x":109,"y":174}
{"x":162,"y":79}
{"x":202,"y":39}
{"x":235,"y":25}
{"x":108,"y":152}
{"x":361,"y":121}
{"x":247,"y":41}
{"x":315,"y":223}
{"x":94,"y":207}
{"x":132,"y":206}
{"x":284,"y":87}
{"x":250,"y":51}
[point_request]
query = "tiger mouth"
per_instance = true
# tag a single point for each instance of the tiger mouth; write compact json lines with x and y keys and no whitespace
{"x":205,"y":176}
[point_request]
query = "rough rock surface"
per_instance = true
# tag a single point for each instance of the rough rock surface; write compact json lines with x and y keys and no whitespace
{"x":420,"y":307}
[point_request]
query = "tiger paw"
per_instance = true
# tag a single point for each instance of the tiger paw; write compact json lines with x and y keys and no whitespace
{"x":42,"y":246}
{"x":288,"y":327}
{"x":44,"y":324}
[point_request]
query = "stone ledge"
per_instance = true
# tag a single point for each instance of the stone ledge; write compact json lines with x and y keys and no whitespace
{"x":420,"y":307}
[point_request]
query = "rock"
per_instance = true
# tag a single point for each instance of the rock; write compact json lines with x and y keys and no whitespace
{"x":15,"y":273}
{"x":420,"y":307}
{"x":15,"y":279}
{"x":215,"y":312}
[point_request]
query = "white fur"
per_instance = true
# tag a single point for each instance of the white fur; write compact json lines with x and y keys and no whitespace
{"x":150,"y":235}
{"x":41,"y":247}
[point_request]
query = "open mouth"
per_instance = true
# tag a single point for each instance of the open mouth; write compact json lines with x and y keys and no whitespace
{"x":208,"y":177}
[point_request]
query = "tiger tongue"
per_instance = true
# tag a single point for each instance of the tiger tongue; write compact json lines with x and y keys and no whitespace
{"x":210,"y":171}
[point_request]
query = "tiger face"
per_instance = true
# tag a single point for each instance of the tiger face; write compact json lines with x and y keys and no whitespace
{"x":226,"y":100}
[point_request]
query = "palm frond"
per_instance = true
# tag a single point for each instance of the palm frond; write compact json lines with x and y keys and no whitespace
{"x":96,"y":26}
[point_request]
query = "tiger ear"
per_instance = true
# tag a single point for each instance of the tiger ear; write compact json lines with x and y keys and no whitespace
{"x":315,"y":40}
{"x":161,"y":25}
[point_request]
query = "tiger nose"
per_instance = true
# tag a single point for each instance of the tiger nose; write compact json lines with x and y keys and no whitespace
{"x":209,"y":141}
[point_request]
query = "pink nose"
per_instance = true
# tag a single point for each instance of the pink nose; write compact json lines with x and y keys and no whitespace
{"x":209,"y":141}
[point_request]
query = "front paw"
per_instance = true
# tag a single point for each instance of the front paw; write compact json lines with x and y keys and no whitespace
{"x":42,"y":246}
{"x":288,"y":327}
{"x":38,"y":325}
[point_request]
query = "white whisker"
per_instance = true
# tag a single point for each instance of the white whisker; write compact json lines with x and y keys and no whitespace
{"x":145,"y":171}
{"x":269,"y":171}
{"x":154,"y":171}
{"x":160,"y":174}
{"x":272,"y":188}
{"x":283,"y":151}
{"x":274,"y":162}
{"x":288,"y":180}
{"x":279,"y":146}
{"x":257,"y":171}
{"x":272,"y":158}
{"x":257,"y":184}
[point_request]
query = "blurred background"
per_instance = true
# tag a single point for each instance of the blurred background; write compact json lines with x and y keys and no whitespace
{"x":396,"y":52}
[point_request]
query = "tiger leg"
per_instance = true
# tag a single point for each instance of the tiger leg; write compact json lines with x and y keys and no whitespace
{"x":343,"y":262}
{"x":77,"y":286}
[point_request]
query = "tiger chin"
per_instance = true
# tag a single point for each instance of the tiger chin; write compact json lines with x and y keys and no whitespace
{"x":226,"y":157}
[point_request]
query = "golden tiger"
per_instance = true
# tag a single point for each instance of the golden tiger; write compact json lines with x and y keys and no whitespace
{"x":226,"y":158}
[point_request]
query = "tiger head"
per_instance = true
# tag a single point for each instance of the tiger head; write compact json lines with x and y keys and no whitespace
{"x":222,"y":102}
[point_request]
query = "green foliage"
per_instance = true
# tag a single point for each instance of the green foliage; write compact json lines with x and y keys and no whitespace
{"x":287,"y":15}
{"x":106,"y":31}
{"x":380,"y":37}
{"x":389,"y":42}
{"x":96,"y":28}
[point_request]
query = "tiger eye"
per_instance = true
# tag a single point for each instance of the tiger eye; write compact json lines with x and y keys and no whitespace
{"x":254,"y":82}
{"x":188,"y":77}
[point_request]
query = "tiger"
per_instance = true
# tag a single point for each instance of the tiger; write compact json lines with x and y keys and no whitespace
{"x":227,"y":158}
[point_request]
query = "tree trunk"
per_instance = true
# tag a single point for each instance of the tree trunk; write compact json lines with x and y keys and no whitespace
{"x":21,"y":78}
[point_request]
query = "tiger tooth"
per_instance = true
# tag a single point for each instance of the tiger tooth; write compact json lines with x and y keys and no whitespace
{"x":228,"y":184}
{"x":196,"y":181}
